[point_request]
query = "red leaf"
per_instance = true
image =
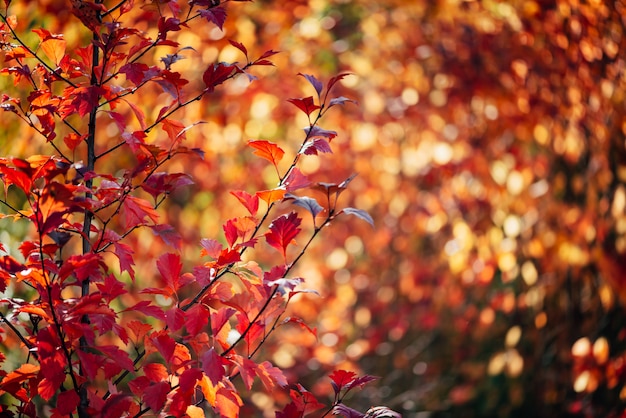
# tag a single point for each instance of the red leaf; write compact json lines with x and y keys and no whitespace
{"x":91,"y":363}
{"x":247,"y":370}
{"x":168,"y":234}
{"x":239,"y":46}
{"x":174,"y":318}
{"x":147,"y":308}
{"x":139,"y":330}
{"x":135,"y":210}
{"x":304,"y":400}
{"x":47,"y":388}
{"x":125,"y":255}
{"x":155,"y":372}
{"x":159,"y":183}
{"x":270,"y":375}
{"x":196,"y":319}
{"x":267,"y":150}
{"x":174,"y":128}
{"x":155,"y":395}
{"x":204,"y":275}
{"x":211,"y":247}
{"x":305,"y":104}
{"x":231,"y":233}
{"x":170,"y":266}
{"x":81,"y":266}
{"x":262,"y":60}
{"x":67,"y":402}
{"x":119,"y":357}
{"x":189,"y":379}
{"x":347,"y":412}
{"x":213,"y":366}
{"x":301,"y":323}
{"x":296,"y":180}
{"x":341,"y":379}
{"x":12,"y":176}
{"x":135,"y":72}
{"x":334,"y":80}
{"x":227,"y":257}
{"x":216,"y":74}
{"x":277,"y":272}
{"x":81,"y":100}
{"x":111,"y":288}
{"x":217,"y":15}
{"x":283,"y":231}
{"x":170,"y":24}
{"x":228,"y":402}
{"x":250,"y":202}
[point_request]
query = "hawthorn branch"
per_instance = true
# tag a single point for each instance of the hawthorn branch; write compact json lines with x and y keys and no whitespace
{"x":256,"y":230}
{"x":275,"y":288}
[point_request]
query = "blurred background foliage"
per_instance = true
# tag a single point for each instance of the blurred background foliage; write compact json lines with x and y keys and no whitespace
{"x":489,"y":146}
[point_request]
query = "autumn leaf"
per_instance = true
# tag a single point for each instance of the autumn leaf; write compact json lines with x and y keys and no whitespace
{"x":53,"y":45}
{"x":216,"y":74}
{"x":341,"y":378}
{"x":271,"y":196}
{"x":270,"y":376}
{"x":308,"y":203}
{"x":305,"y":104}
{"x":170,"y":266}
{"x":316,"y":145}
{"x":267,"y":150}
{"x":155,"y":395}
{"x":296,"y":180}
{"x":283,"y":231}
{"x":216,"y":15}
{"x":360,"y":213}
{"x":239,"y":46}
{"x":228,"y":402}
{"x":135,"y":211}
{"x":250,"y":202}
{"x":317,"y":85}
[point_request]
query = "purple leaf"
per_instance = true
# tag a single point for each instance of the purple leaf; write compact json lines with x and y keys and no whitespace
{"x":308,"y":203}
{"x":317,"y":85}
{"x":316,"y":131}
{"x":217,"y":15}
{"x":359,"y":213}
{"x":316,"y":145}
{"x":346,"y":412}
{"x":340,"y":101}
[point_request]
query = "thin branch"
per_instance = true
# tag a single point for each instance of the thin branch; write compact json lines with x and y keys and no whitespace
{"x":276,"y":287}
{"x":114,"y":8}
{"x":18,"y":334}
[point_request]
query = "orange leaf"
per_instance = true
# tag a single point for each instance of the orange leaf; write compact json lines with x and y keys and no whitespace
{"x":54,"y":48}
{"x":194,"y":412}
{"x":268,"y":150}
{"x":271,"y":196}
{"x":228,"y":402}
{"x":208,"y":390}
